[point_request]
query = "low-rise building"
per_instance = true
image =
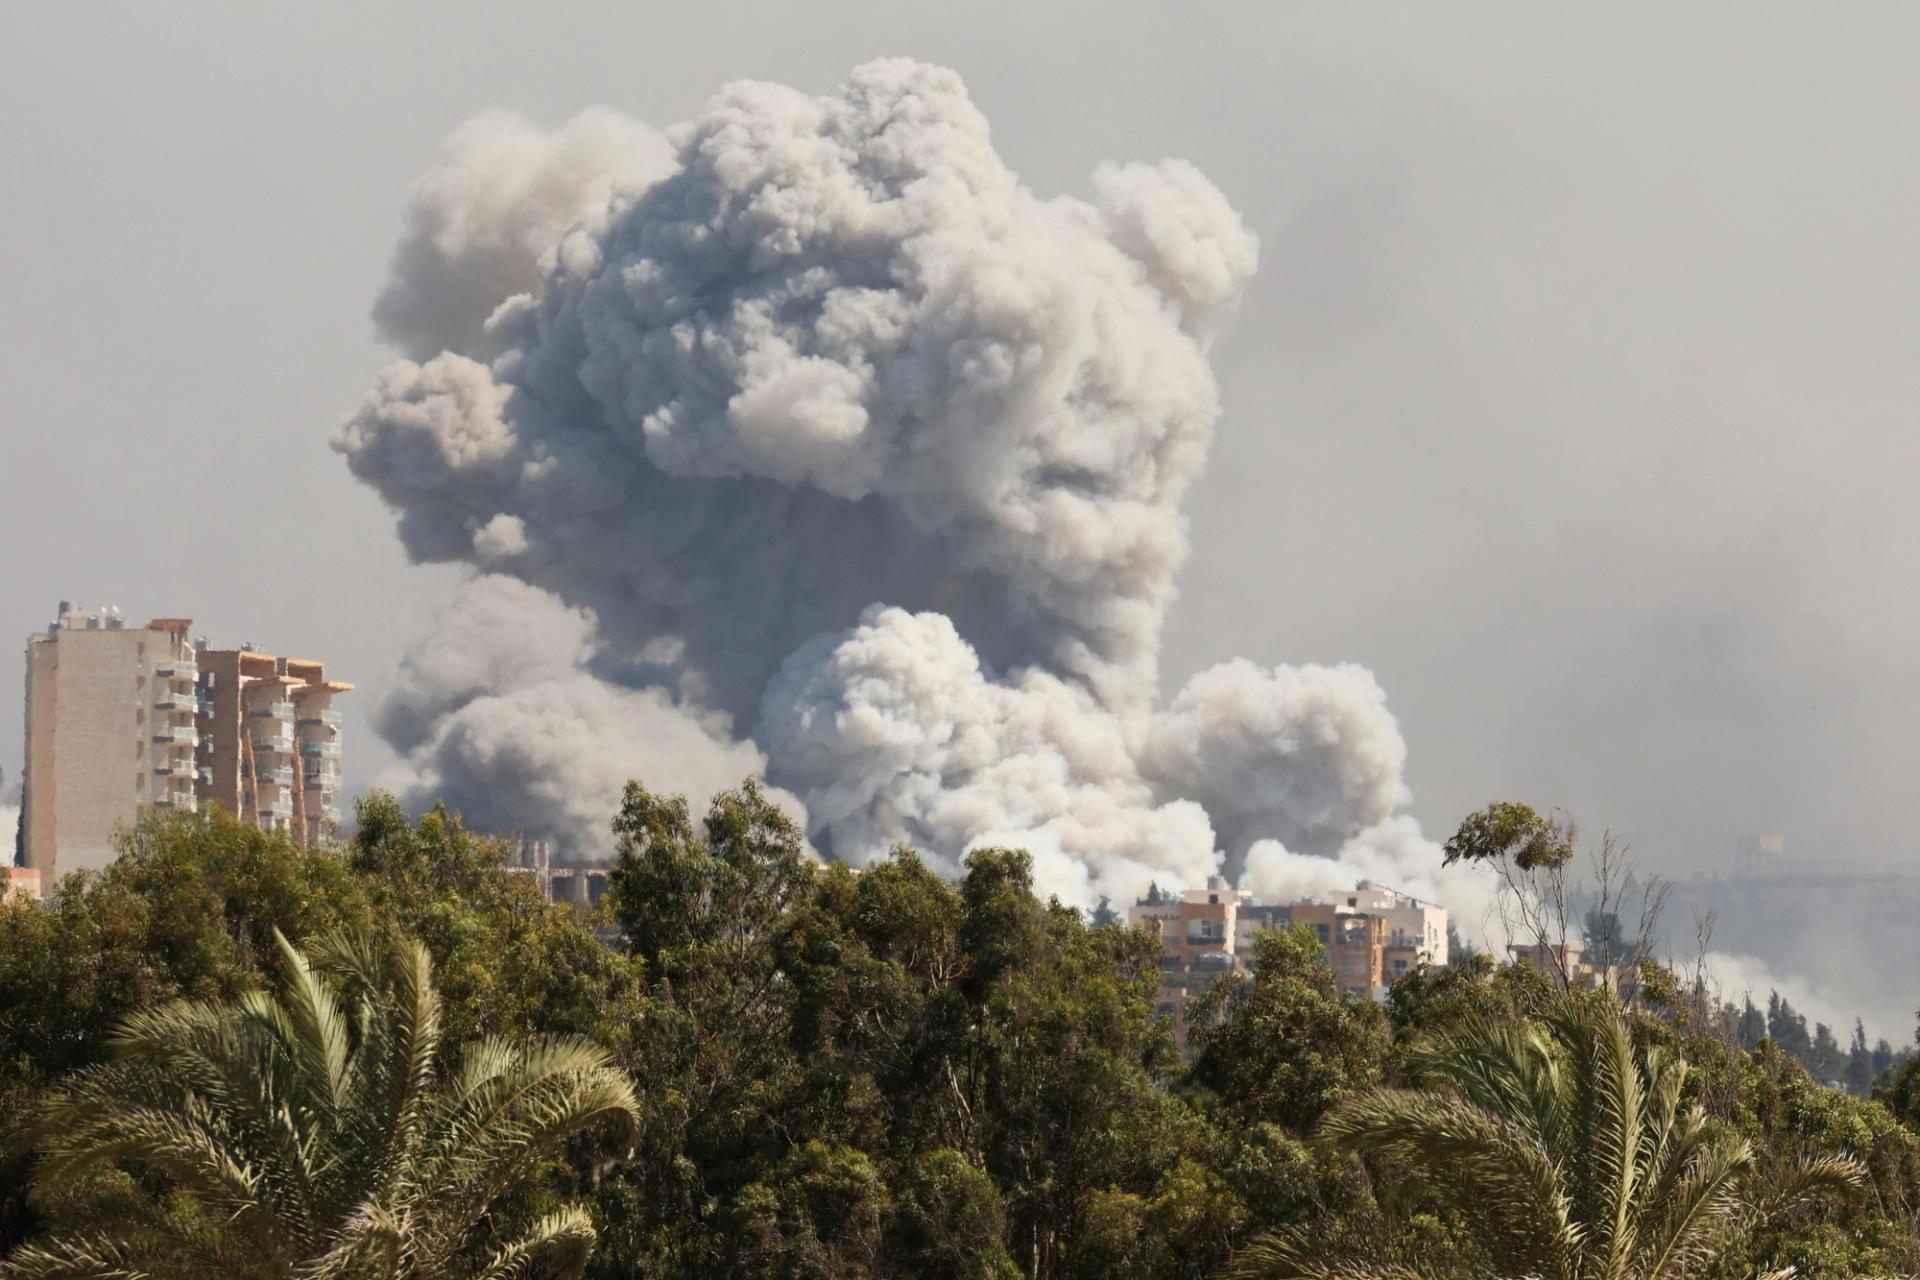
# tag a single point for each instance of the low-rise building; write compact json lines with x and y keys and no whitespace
{"x":1574,"y":964}
{"x":1372,"y":936}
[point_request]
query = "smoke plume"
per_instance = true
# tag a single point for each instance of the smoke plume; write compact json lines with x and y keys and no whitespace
{"x":804,"y":438}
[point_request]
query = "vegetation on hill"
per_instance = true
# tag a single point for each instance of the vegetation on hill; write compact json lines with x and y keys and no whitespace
{"x":891,"y":1075}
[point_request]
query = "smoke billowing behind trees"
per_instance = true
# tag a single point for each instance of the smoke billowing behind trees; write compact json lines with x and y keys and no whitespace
{"x":804,"y":436}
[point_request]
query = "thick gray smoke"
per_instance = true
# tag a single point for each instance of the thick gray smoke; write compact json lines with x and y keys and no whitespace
{"x":819,"y":440}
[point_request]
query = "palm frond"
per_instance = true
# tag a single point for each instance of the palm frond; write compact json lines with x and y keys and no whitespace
{"x":557,"y":1248}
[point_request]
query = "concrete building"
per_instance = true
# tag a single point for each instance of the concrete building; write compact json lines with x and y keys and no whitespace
{"x":1194,"y":923}
{"x":110,"y":732}
{"x":1373,"y":937}
{"x":270,"y":740}
{"x":1571,"y":962}
{"x":533,"y":859}
{"x":123,"y":720}
{"x":1213,"y":929}
{"x":1415,"y":929}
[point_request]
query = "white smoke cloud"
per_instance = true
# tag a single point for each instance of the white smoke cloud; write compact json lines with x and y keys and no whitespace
{"x":826,"y":432}
{"x":894,"y":734}
{"x":1303,"y":755}
{"x":480,"y":223}
{"x":498,"y":713}
{"x":1738,"y":977}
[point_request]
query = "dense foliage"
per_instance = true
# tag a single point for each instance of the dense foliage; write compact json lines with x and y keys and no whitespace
{"x":887,"y":1074}
{"x":314,"y":1132}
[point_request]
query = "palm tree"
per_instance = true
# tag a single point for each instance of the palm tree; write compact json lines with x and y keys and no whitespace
{"x":312,"y":1133}
{"x":1563,"y":1148}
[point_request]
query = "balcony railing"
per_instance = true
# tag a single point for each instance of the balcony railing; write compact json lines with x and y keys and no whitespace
{"x":177,"y":702}
{"x":329,"y":717}
{"x":176,"y":733}
{"x":272,"y":711}
{"x":178,"y":669}
{"x":169,"y":768}
{"x":206,"y":706}
{"x":176,"y":800}
{"x":320,"y":750}
{"x":273,"y":742}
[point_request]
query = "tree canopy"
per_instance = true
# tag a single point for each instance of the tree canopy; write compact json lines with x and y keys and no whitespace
{"x":885,"y":1073}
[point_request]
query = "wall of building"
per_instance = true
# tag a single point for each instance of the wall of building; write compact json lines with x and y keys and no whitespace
{"x":89,"y":764}
{"x":122,"y":719}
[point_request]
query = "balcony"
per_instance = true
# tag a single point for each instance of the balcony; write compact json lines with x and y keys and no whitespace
{"x":327,"y":813}
{"x":176,"y":702}
{"x":271,"y":711}
{"x":177,"y":733}
{"x":329,"y":718}
{"x":320,"y":750}
{"x":169,"y":768}
{"x":181,"y":800}
{"x":206,"y":706}
{"x":273,"y":742}
{"x":178,"y":669}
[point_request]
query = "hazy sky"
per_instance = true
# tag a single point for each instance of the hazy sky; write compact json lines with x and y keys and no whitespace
{"x":1575,"y":394}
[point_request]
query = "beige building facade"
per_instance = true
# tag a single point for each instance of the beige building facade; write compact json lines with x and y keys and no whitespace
{"x":1373,"y":937}
{"x":110,"y":731}
{"x":123,"y":720}
{"x":270,"y":740}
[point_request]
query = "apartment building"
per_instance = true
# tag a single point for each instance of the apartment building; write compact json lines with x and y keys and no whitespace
{"x":270,"y":740}
{"x":110,"y":732}
{"x":1194,"y":925}
{"x":123,"y":720}
{"x":1572,"y":964}
{"x":1372,"y":936}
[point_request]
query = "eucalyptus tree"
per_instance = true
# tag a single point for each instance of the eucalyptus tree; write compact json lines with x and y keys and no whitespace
{"x":312,"y":1132}
{"x":1564,"y":1148}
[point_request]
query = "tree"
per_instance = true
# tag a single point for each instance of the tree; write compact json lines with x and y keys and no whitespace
{"x":1752,"y":1026}
{"x":1507,"y":831}
{"x":1532,"y":854}
{"x":1859,"y":1073}
{"x":1564,"y":1149}
{"x":308,"y":1133}
{"x":1283,"y":1045}
{"x":1788,"y":1029}
{"x":1606,"y":937}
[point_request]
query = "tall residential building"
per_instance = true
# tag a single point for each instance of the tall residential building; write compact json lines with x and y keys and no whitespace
{"x":270,"y":740}
{"x":122,"y":720}
{"x":110,"y":712}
